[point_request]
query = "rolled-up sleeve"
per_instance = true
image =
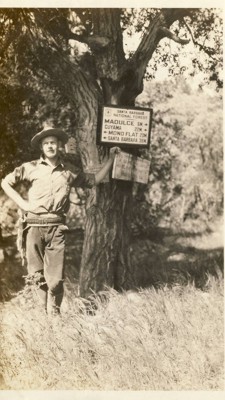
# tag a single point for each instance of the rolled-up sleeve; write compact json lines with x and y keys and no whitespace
{"x":84,"y":180}
{"x":18,"y":175}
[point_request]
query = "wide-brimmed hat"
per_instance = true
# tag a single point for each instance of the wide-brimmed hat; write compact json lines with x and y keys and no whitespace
{"x":35,"y":141}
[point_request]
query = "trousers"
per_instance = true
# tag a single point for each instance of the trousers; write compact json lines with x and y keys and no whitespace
{"x":45,"y":249}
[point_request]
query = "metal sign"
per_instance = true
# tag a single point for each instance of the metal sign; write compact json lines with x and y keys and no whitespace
{"x":125,"y":126}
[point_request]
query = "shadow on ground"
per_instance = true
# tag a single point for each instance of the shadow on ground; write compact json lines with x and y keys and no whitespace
{"x":164,"y":257}
{"x":161,"y":258}
{"x":177,"y":259}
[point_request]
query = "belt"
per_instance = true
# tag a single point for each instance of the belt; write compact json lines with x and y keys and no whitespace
{"x":46,"y":221}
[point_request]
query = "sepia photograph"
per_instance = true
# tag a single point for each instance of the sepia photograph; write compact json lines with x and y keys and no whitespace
{"x":111,"y":200}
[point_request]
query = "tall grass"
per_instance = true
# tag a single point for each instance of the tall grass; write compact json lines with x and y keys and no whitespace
{"x":164,"y":339}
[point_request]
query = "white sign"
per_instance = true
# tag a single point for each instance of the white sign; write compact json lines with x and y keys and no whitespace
{"x":126,"y":126}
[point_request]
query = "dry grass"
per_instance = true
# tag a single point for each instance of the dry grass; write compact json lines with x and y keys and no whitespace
{"x":165,"y":339}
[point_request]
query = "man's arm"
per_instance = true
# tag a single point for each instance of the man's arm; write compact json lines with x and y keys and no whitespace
{"x":100,"y":175}
{"x":15,"y":196}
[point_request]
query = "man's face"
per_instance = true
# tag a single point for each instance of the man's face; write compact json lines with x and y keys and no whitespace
{"x":50,"y":146}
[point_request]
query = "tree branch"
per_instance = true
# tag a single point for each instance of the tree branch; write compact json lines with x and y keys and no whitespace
{"x":166,"y":32}
{"x":106,"y":24}
{"x":95,"y":42}
{"x":209,"y":51}
{"x":190,"y":31}
{"x":157,"y":29}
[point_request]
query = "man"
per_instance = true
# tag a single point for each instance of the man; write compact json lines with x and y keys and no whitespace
{"x":48,"y":202}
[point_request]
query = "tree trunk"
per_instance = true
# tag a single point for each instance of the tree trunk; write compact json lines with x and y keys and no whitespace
{"x":106,"y":252}
{"x":106,"y":256}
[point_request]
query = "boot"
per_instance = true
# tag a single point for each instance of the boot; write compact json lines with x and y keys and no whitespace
{"x":41,"y":288}
{"x":54,"y":303}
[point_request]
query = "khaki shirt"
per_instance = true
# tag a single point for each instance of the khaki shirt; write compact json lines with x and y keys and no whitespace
{"x":49,"y":186}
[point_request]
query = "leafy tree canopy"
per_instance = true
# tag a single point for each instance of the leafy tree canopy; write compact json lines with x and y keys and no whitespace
{"x":31,"y":37}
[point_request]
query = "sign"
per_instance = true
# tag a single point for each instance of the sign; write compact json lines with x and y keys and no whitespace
{"x":130,"y":168}
{"x":123,"y":166}
{"x":141,"y":170}
{"x":125,"y":126}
